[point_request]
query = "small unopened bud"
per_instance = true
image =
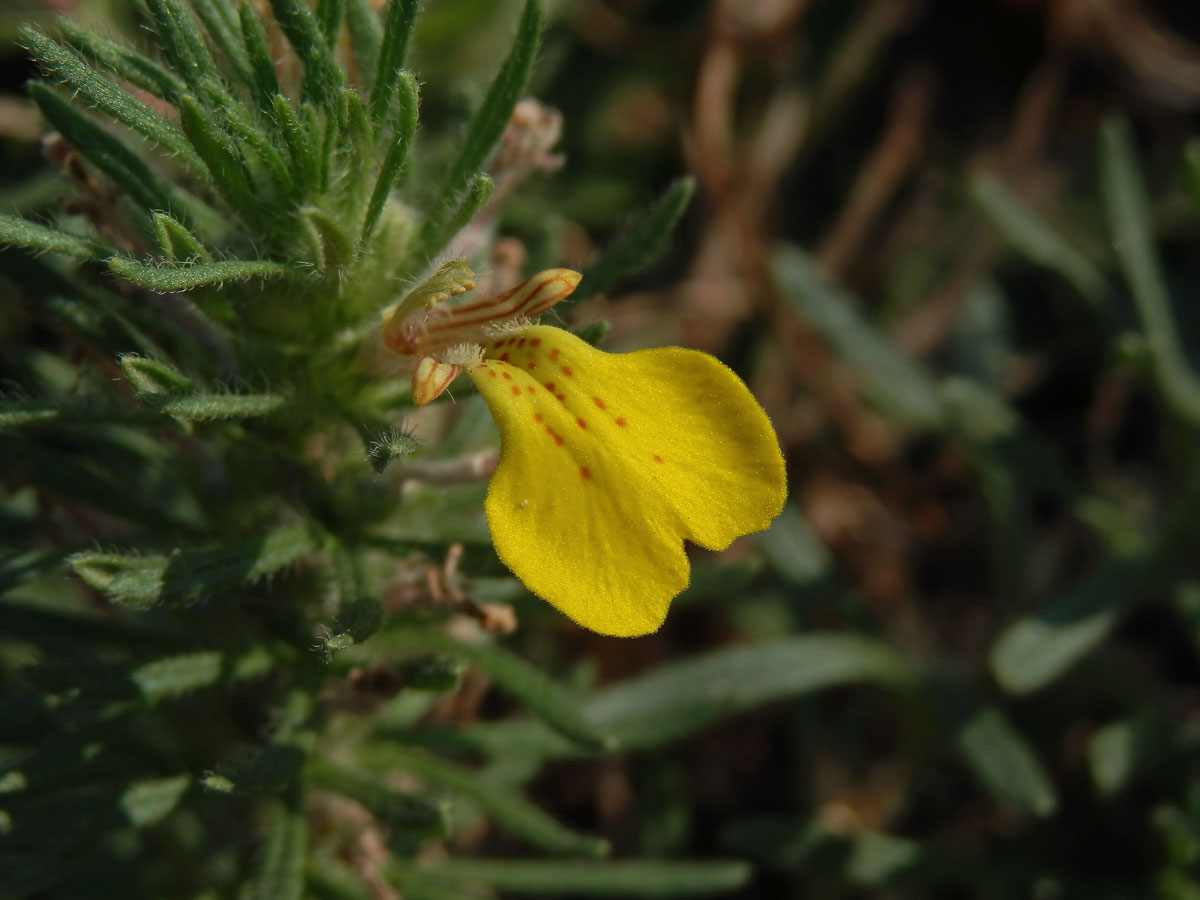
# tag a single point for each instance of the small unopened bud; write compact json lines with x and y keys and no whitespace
{"x":430,"y":378}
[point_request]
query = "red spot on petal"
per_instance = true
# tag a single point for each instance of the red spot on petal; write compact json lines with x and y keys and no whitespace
{"x":530,"y":389}
{"x":560,"y":397}
{"x":498,"y":345}
{"x":491,"y":373}
{"x":558,"y":438}
{"x":657,"y":458}
{"x":581,"y":423}
{"x":535,"y":342}
{"x":503,"y":357}
{"x":516,"y":391}
{"x":550,"y":386}
{"x":585,"y":473}
{"x":537,"y":417}
{"x":531,"y":365}
{"x":521,"y":342}
{"x":620,"y":420}
{"x":554,"y":353}
{"x":600,"y":404}
{"x":566,"y":370}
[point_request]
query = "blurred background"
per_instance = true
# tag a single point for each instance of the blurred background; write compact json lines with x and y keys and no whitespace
{"x":951,"y":246}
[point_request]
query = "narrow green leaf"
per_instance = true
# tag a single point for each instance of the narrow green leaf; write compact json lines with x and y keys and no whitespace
{"x":329,"y":19}
{"x":61,"y":65}
{"x":149,"y":579}
{"x":258,"y":56}
{"x":403,"y":131}
{"x":539,"y":693}
{"x":638,"y":245}
{"x":1005,"y":764}
{"x":439,"y":230}
{"x":174,"y":278}
{"x":221,"y":22}
{"x":103,"y":150}
{"x":895,"y":383}
{"x":146,"y":803}
{"x":206,"y":407}
{"x":403,"y":811}
{"x":392,"y":52}
{"x":1118,"y":750}
{"x":322,"y":75}
{"x":493,"y":116}
{"x":335,"y":250}
{"x":16,"y":232}
{"x":280,"y":874}
{"x":240,"y":123}
{"x":366,"y":35}
{"x":1036,"y":650}
{"x":793,"y":548}
{"x":565,"y":878}
{"x":150,"y":377}
{"x":1129,"y":220}
{"x":221,"y":157}
{"x":176,"y":242}
{"x":181,"y":42}
{"x":1033,"y":238}
{"x":122,"y":62}
{"x":299,"y":141}
{"x":509,"y":809}
{"x":677,"y":699}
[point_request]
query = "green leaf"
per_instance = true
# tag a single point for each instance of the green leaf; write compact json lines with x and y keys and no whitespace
{"x":462,"y":185}
{"x":400,"y":810}
{"x":146,"y":803}
{"x":1117,"y":751}
{"x":61,"y":65}
{"x":182,"y":44}
{"x":122,"y":62}
{"x":506,"y":807}
{"x":564,"y":878}
{"x":1004,"y":763}
{"x":150,"y":377}
{"x":638,"y":245}
{"x":334,"y":249}
{"x":366,"y":35}
{"x":539,"y":693}
{"x":794,"y":550}
{"x":1129,"y":220}
{"x":280,"y":875}
{"x":1036,"y":650}
{"x":205,"y":407}
{"x":898,"y":385}
{"x":175,"y":277}
{"x":258,"y":56}
{"x":675,"y":700}
{"x":176,"y":242}
{"x":150,"y":579}
{"x":221,"y":158}
{"x":174,"y":676}
{"x":16,"y":232}
{"x":403,"y":130}
{"x":322,"y":75}
{"x":299,"y":140}
{"x":223,"y":27}
{"x":392,"y":52}
{"x":1033,"y":238}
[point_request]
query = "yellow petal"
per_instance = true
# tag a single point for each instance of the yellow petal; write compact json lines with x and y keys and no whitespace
{"x":608,"y":462}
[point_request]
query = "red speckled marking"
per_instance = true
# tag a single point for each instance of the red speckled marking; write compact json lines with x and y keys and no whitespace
{"x":531,"y":365}
{"x":516,"y":391}
{"x":585,"y":473}
{"x":497,"y":345}
{"x":550,"y":386}
{"x":530,"y":389}
{"x":620,"y":420}
{"x":503,"y":357}
{"x":581,"y":423}
{"x":657,"y":458}
{"x":521,"y":342}
{"x":558,"y":438}
{"x":554,"y":353}
{"x":535,"y":342}
{"x":491,"y":374}
{"x":508,"y":376}
{"x":560,"y":397}
{"x":600,"y":404}
{"x":566,"y":370}
{"x":537,"y":417}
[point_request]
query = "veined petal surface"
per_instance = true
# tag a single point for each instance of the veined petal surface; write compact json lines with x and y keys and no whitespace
{"x":609,"y":462}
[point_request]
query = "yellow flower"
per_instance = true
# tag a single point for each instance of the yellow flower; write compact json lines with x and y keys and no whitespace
{"x":608,"y":462}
